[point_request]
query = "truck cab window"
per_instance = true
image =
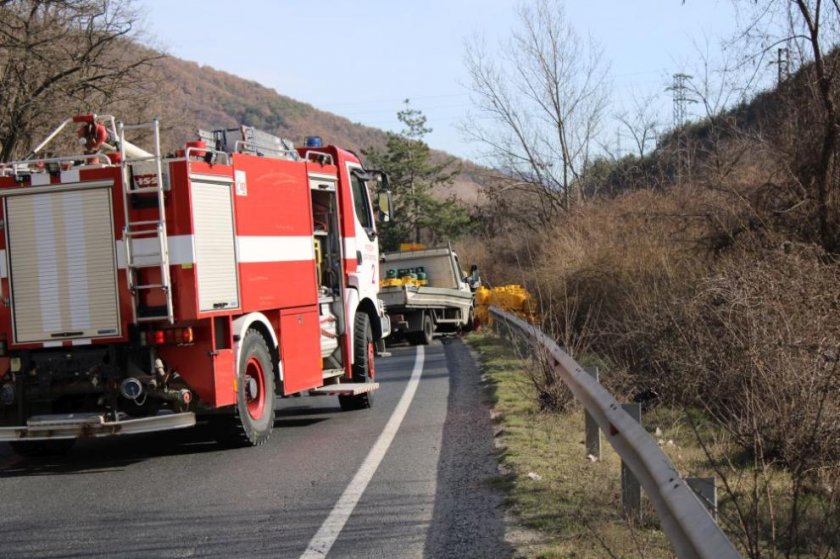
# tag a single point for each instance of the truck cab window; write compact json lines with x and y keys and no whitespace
{"x":361,"y":202}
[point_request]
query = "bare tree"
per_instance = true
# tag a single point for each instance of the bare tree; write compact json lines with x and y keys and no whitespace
{"x":59,"y":56}
{"x":812,"y":29}
{"x":539,"y":104}
{"x":641,"y":122}
{"x":716,"y":87}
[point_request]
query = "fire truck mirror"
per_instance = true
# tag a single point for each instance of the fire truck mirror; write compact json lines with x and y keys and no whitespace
{"x":386,"y":211}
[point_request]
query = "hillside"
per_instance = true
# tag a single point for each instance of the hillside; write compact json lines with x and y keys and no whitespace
{"x":203,"y":97}
{"x":209,"y":98}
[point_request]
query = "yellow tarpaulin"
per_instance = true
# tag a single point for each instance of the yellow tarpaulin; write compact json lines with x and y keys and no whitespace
{"x":511,"y":298}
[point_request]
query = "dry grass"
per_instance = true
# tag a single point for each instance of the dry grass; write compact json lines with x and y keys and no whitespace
{"x":573,"y":504}
{"x":704,"y":299}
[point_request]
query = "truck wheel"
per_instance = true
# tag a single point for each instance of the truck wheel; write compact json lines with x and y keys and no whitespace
{"x":363,"y":366}
{"x":424,"y":336}
{"x":428,"y":330}
{"x":53,"y":447}
{"x":253,"y":417}
{"x":470,"y":325}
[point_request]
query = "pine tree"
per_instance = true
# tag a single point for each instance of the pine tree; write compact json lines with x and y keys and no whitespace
{"x":413,"y":175}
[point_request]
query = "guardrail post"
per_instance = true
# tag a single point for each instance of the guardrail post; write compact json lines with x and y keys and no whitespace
{"x":631,"y":491}
{"x":593,"y":433}
{"x":706,"y":490}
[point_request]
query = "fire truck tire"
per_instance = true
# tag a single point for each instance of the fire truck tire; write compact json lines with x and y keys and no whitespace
{"x":253,"y":417}
{"x":42,"y":448}
{"x":363,"y":367}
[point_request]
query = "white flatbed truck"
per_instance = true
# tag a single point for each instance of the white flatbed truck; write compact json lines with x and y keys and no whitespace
{"x":443,"y":302}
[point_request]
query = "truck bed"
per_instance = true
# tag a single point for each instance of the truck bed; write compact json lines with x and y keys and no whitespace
{"x":410,"y":297}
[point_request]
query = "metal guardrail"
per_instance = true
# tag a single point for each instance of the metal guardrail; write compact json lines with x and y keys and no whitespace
{"x":686,"y":522}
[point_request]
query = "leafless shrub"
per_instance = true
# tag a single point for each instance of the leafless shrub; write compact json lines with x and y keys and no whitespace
{"x":764,"y":347}
{"x":552,"y":393}
{"x":702,"y":298}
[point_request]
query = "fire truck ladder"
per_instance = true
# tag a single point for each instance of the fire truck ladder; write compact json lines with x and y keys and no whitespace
{"x":145,"y":241}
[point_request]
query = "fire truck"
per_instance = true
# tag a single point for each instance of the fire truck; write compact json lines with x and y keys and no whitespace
{"x":139,"y":292}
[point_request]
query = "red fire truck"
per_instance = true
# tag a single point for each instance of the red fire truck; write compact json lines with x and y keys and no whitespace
{"x":138,"y":291}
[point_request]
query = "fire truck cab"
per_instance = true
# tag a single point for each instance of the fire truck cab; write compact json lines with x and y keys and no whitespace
{"x":138,"y":291}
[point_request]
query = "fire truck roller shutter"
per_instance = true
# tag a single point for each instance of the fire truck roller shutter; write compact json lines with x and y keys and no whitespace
{"x":62,"y":259}
{"x":215,"y":253}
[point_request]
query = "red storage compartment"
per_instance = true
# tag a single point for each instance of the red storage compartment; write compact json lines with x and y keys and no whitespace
{"x":300,"y":349}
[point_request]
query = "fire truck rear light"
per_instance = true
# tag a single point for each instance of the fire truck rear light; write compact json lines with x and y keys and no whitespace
{"x":186,"y":335}
{"x":14,"y":364}
{"x":173,"y":336}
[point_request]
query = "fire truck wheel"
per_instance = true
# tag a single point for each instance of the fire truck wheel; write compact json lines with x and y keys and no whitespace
{"x":42,"y":448}
{"x":363,"y":366}
{"x":253,"y":417}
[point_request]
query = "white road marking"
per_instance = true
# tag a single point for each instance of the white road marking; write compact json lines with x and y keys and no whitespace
{"x":324,"y":539}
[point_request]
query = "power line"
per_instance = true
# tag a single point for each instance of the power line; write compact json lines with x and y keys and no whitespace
{"x":345,"y":103}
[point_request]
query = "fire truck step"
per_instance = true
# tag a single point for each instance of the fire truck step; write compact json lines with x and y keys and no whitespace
{"x":71,"y":426}
{"x":145,"y":223}
{"x":345,"y":389}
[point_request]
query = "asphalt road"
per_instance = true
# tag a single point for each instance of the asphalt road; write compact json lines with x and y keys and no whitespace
{"x":326,"y":480}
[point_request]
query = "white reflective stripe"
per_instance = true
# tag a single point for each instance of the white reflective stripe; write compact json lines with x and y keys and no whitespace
{"x":275,"y":249}
{"x":52,"y":344}
{"x":181,"y":250}
{"x":39,"y":179}
{"x":72,"y":175}
{"x":251,"y":249}
{"x":350,"y":248}
{"x":83,"y":341}
{"x":4,"y":270}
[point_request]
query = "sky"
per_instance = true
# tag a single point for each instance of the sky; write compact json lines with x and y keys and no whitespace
{"x":361,"y":58}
